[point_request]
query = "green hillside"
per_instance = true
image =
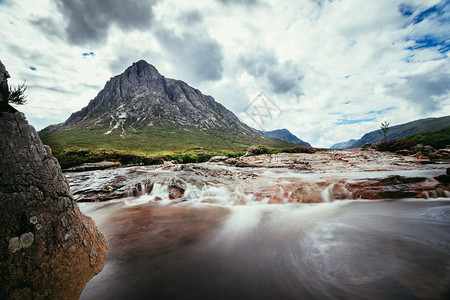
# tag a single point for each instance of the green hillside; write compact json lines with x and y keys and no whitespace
{"x":403,"y":130}
{"x":154,"y":139}
{"x":438,"y":139}
{"x":151,"y":145}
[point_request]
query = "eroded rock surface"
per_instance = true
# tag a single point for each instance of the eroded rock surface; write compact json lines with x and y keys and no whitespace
{"x":351,"y":160}
{"x":325,"y":177}
{"x":48,"y":248}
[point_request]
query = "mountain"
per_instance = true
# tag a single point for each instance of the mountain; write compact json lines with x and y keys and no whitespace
{"x":141,"y":110}
{"x":399,"y":131}
{"x":286,"y":135}
{"x":344,"y":145}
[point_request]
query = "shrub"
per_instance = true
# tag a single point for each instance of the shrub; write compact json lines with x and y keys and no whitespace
{"x":257,"y":150}
{"x":395,"y":145}
{"x":302,"y":149}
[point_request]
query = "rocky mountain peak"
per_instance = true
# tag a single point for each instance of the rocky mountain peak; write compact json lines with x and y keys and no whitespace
{"x":142,"y":97}
{"x":142,"y":76}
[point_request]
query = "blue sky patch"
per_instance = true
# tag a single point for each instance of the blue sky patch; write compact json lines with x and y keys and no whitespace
{"x":32,"y":68}
{"x":430,"y":41}
{"x":87,"y":54}
{"x":438,"y":13}
{"x":346,"y":122}
{"x":379,"y":112}
{"x":427,"y":13}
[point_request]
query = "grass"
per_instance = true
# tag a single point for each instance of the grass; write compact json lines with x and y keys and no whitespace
{"x":438,"y":139}
{"x":154,"y":139}
{"x":154,"y":145}
{"x":75,"y":156}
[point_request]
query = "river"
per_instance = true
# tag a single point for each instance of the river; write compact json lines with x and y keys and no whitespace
{"x":235,"y":245}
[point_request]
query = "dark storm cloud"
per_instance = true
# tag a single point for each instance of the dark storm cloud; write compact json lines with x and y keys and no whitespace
{"x":283,"y":77}
{"x":258,"y":65}
{"x":49,"y":27}
{"x":191,"y":17}
{"x":423,"y":90}
{"x":89,"y":21}
{"x":199,"y":57}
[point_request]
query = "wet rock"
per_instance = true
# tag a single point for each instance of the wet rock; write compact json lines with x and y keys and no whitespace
{"x":403,"y":152}
{"x":33,"y":263}
{"x":423,"y":148}
{"x":218,"y":158}
{"x":94,"y":166}
{"x":397,"y":187}
{"x":175,"y":192}
{"x":444,"y":178}
{"x":369,"y":146}
{"x":329,"y":161}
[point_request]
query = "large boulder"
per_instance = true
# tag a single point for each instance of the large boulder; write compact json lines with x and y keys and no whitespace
{"x":48,"y":248}
{"x":4,"y":90}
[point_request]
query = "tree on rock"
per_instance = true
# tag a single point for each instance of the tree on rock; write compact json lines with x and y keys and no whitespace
{"x":16,"y":95}
{"x":10,"y":95}
{"x":384,"y":130}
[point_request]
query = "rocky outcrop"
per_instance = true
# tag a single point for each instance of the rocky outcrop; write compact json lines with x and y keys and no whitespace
{"x":398,"y":187}
{"x":4,"y":75}
{"x":421,"y":151}
{"x":48,"y":248}
{"x":351,"y":160}
{"x":4,"y":90}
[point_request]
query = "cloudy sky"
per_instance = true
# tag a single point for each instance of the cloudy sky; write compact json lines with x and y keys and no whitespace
{"x":331,"y":70}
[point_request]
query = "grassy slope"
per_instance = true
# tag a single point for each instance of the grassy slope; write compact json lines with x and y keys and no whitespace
{"x":154,"y":139}
{"x":438,"y":139}
{"x":150,"y":145}
{"x":400,"y":131}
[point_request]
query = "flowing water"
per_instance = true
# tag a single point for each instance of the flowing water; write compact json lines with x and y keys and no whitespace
{"x":224,"y":242}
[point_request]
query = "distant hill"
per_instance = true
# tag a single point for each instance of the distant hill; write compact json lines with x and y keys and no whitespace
{"x":141,"y":110}
{"x":286,"y":135}
{"x":399,"y":131}
{"x":344,"y":145}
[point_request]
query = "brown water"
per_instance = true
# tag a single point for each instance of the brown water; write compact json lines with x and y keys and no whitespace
{"x":340,"y":250}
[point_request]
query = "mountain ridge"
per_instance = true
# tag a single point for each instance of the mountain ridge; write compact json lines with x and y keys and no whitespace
{"x":402,"y":130}
{"x":142,"y":106}
{"x":285,"y":135}
{"x":344,"y":145}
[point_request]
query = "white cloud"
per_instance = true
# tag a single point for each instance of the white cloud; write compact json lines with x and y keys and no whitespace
{"x":321,"y":61}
